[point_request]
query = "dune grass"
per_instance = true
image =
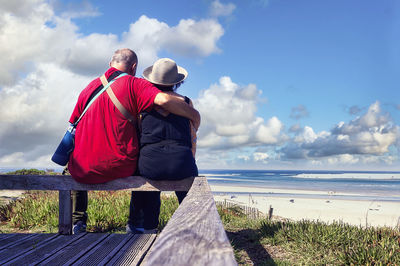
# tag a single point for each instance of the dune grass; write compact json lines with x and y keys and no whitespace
{"x":309,"y":242}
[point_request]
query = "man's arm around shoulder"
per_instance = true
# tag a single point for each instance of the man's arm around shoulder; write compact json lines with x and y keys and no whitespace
{"x":176,"y":104}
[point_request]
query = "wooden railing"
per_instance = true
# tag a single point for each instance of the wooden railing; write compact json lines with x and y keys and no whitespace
{"x":193,"y":236}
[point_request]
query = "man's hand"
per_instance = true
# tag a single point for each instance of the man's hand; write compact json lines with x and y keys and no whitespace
{"x":176,"y":104}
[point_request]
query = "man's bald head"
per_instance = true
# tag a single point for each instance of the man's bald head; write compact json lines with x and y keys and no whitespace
{"x":125,"y":60}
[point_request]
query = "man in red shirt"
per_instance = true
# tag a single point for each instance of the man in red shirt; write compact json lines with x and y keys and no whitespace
{"x":106,"y":143}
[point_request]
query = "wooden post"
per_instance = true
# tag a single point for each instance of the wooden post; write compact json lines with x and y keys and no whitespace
{"x":270,"y":212}
{"x":65,"y":212}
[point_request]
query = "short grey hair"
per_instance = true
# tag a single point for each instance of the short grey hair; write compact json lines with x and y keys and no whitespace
{"x":124,"y":56}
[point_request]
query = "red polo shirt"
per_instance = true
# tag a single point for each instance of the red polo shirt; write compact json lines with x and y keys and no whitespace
{"x":106,"y":143}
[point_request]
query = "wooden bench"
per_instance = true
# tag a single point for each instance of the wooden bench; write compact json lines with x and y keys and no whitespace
{"x":193,"y":236}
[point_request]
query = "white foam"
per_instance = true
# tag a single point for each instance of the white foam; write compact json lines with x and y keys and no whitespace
{"x":368,"y":176}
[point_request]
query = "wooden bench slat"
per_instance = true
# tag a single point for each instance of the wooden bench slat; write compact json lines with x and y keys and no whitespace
{"x":66,"y":182}
{"x":194,"y":235}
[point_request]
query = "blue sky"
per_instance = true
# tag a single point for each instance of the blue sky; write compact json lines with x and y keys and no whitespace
{"x":280,"y":84}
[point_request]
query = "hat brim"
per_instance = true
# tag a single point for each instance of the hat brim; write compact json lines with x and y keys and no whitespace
{"x":182,"y":75}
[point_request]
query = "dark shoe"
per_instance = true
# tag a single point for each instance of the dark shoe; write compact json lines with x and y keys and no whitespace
{"x":79,"y":228}
{"x":131,"y":229}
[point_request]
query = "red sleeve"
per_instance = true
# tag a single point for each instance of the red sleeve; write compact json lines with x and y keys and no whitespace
{"x":144,"y":94}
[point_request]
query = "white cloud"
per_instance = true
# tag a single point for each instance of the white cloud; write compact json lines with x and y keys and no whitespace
{"x":46,"y":62}
{"x":218,"y":9}
{"x":260,"y":156}
{"x":32,"y":33}
{"x":229,"y":120}
{"x":193,"y":38}
{"x":270,"y":132}
{"x":35,"y":111}
{"x":244,"y":157}
{"x":189,"y":38}
{"x":371,"y":134}
{"x":343,"y":159}
{"x":20,"y":8}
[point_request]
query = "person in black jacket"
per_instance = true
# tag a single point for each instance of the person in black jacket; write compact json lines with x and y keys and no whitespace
{"x":167,"y":147}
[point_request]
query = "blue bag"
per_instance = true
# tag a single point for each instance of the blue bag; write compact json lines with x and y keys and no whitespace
{"x":66,"y":146}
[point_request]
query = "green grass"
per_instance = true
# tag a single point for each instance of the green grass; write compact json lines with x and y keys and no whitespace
{"x":108,"y":211}
{"x":32,"y":171}
{"x":309,"y":243}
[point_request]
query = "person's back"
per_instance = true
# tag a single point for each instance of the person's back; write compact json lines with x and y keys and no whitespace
{"x":166,"y":147}
{"x":105,"y":141}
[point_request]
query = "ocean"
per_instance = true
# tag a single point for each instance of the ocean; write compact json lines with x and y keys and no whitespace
{"x":350,"y":185}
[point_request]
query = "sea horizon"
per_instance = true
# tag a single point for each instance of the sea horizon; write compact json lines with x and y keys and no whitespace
{"x":329,"y":184}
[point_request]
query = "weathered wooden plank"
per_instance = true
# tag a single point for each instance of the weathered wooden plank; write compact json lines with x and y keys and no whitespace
{"x":21,"y":247}
{"x":115,"y":250}
{"x":102,"y":249}
{"x":65,"y":212}
{"x":74,"y":251}
{"x":12,"y":239}
{"x":194,"y":235}
{"x":60,"y":182}
{"x":133,"y":251}
{"x":44,"y":251}
{"x":5,"y":236}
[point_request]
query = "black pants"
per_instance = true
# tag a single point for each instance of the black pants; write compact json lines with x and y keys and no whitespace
{"x":79,"y":206}
{"x":145,"y":208}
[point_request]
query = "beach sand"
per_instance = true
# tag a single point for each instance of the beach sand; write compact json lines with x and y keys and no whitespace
{"x":326,"y":209}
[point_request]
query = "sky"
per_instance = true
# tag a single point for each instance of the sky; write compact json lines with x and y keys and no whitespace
{"x":280,"y":84}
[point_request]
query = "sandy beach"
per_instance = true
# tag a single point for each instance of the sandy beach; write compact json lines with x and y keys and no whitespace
{"x":312,"y":206}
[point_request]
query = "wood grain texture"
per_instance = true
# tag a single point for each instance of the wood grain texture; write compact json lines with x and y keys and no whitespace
{"x":39,"y":250}
{"x":82,"y":249}
{"x":23,"y":246}
{"x":75,"y":250}
{"x":66,"y":182}
{"x":133,"y":252}
{"x":194,"y":235}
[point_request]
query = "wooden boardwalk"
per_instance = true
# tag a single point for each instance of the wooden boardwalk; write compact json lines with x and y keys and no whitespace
{"x":82,"y":249}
